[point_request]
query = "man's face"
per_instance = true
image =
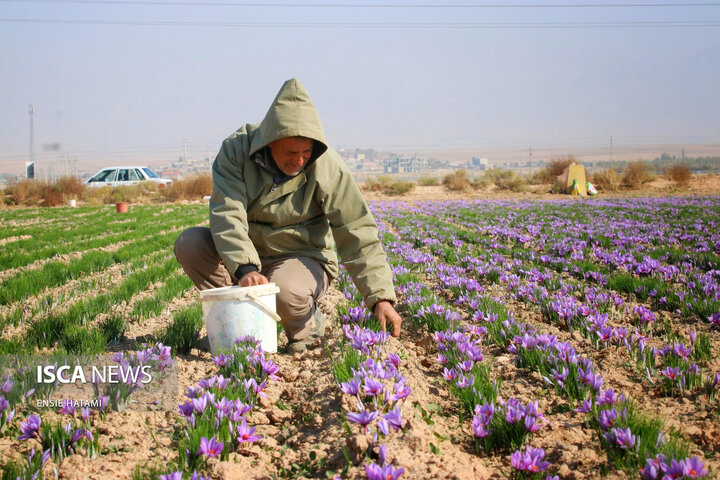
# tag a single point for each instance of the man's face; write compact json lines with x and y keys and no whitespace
{"x":291,"y":153}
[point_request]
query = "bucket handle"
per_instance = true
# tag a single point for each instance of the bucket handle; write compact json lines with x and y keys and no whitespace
{"x":262,"y":305}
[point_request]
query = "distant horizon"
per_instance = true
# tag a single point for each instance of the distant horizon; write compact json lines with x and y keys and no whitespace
{"x":57,"y":167}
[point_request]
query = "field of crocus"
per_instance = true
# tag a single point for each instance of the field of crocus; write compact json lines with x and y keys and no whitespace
{"x":541,"y":339}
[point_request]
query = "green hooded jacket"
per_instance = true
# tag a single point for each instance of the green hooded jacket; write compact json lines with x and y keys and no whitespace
{"x":309,"y":215}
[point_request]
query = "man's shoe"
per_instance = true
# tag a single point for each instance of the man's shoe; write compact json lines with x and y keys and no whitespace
{"x":203,"y":344}
{"x":317,"y":331}
{"x":297,"y":346}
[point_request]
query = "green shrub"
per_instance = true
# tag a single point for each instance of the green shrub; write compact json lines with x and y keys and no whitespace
{"x":399,"y":187}
{"x":457,"y":182}
{"x":26,"y":192}
{"x":182,"y":335}
{"x":428,"y":181}
{"x":82,"y":340}
{"x":379,"y":185}
{"x":553,"y":169}
{"x":126,"y":193}
{"x":71,"y":187}
{"x":679,"y":174}
{"x":505,"y":179}
{"x":481,"y":182}
{"x":97,"y":196}
{"x":191,"y":188}
{"x":388,"y":186}
{"x":607,"y":180}
{"x":637,"y":173}
{"x":113,"y":328}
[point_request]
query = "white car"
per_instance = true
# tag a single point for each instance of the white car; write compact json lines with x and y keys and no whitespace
{"x":116,"y":176}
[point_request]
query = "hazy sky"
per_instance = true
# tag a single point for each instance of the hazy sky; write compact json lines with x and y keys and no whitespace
{"x":130,"y":80}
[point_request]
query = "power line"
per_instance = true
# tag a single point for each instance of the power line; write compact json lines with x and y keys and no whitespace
{"x":499,"y":25}
{"x":363,"y":5}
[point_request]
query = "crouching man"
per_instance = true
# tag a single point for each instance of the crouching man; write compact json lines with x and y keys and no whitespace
{"x":282,"y":202}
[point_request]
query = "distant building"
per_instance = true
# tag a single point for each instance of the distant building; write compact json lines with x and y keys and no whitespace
{"x":479,"y":163}
{"x":405,"y":165}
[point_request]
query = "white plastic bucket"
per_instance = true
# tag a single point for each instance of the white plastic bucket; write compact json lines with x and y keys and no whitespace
{"x":232,"y":312}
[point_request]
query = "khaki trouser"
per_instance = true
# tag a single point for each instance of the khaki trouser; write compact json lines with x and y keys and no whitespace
{"x":302,"y":281}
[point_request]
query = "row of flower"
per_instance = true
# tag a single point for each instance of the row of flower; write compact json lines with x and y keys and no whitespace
{"x":370,"y":375}
{"x":217,"y":409}
{"x":672,"y":263}
{"x":498,"y":425}
{"x":557,"y":363}
{"x":558,"y":300}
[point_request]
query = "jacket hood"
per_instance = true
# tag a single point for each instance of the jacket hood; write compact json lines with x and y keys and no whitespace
{"x":292,"y":114}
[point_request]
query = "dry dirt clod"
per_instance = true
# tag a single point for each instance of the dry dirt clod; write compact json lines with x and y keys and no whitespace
{"x":357,"y":445}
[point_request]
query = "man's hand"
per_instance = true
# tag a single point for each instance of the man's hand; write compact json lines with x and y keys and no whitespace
{"x":252,"y":279}
{"x":385,"y":312}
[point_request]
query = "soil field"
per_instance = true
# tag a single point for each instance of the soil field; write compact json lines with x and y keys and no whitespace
{"x":542,"y":336}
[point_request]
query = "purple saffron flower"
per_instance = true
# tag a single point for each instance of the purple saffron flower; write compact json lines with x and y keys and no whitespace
{"x":401,"y":391}
{"x":449,"y":374}
{"x":7,"y":385}
{"x":352,"y":387}
{"x":210,"y":448}
{"x":223,"y":360}
{"x":186,"y":409}
{"x":607,"y":419}
{"x":531,"y":424}
{"x":247,"y":434}
{"x":376,"y":472}
{"x":393,"y":359}
{"x":270,"y":368}
{"x":394,"y":418}
{"x":694,"y":468}
{"x":199,"y":404}
{"x":68,"y":408}
{"x":607,"y":397}
{"x":464,"y":382}
{"x":363,"y":418}
{"x":373,"y":388}
{"x":530,"y":461}
{"x":675,"y":469}
{"x":103,"y":401}
{"x":623,"y":438}
{"x":30,"y":427}
{"x":383,"y":426}
{"x":172,"y":476}
{"x":650,"y":472}
{"x":77,"y":435}
{"x":671,"y":372}
{"x":584,"y":407}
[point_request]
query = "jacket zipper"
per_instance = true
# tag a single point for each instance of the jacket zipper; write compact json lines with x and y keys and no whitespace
{"x":274,"y":186}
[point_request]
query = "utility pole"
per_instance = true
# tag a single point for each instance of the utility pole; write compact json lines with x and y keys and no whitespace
{"x":611,"y":149}
{"x":31,"y":158}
